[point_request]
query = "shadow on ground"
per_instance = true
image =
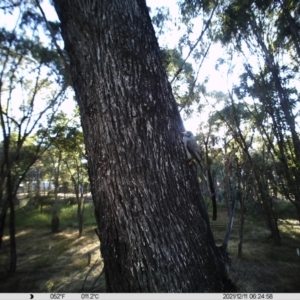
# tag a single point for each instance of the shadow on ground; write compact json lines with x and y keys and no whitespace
{"x":59,"y":262}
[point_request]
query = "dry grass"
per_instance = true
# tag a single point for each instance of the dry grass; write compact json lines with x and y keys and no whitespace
{"x":53,"y":262}
{"x":63,"y":263}
{"x":263,"y":267}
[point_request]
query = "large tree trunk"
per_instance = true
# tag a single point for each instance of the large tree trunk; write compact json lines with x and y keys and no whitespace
{"x":153,"y":227}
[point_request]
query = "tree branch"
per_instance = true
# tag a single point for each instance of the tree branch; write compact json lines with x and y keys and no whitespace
{"x":194,"y":46}
{"x":60,"y":52}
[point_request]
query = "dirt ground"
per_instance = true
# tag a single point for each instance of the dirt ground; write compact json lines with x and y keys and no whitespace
{"x":266,"y":277}
{"x":63,"y":263}
{"x":59,"y":262}
{"x":264,"y":268}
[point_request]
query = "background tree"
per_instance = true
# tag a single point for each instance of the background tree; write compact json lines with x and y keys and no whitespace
{"x":235,"y":117}
{"x":58,"y":138}
{"x":183,"y":78}
{"x":75,"y":162}
{"x":27,"y":71}
{"x":266,"y":30}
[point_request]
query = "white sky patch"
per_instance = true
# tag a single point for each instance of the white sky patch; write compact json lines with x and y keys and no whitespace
{"x":217,"y":80}
{"x":49,"y":11}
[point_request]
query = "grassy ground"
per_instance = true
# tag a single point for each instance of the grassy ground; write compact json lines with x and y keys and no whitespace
{"x":48,"y":262}
{"x":63,"y":262}
{"x":263,"y":267}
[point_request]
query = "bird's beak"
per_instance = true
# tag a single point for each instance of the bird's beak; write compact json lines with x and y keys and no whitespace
{"x":183,"y":133}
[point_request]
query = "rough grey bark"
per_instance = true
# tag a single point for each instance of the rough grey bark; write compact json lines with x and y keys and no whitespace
{"x":153,"y":227}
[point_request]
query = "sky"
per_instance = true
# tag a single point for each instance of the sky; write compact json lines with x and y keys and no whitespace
{"x":170,"y":39}
{"x":216,"y":81}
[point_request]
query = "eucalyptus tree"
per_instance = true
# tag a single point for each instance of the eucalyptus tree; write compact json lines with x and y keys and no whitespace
{"x":58,"y":140}
{"x":27,"y":74}
{"x":183,"y":62}
{"x":268,"y":32}
{"x":153,"y":226}
{"x":75,"y":160}
{"x":240,"y":121}
{"x":183,"y":80}
{"x":210,"y":163}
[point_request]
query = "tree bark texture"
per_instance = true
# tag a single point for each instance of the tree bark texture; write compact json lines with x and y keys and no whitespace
{"x":213,"y":194}
{"x":153,"y":227}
